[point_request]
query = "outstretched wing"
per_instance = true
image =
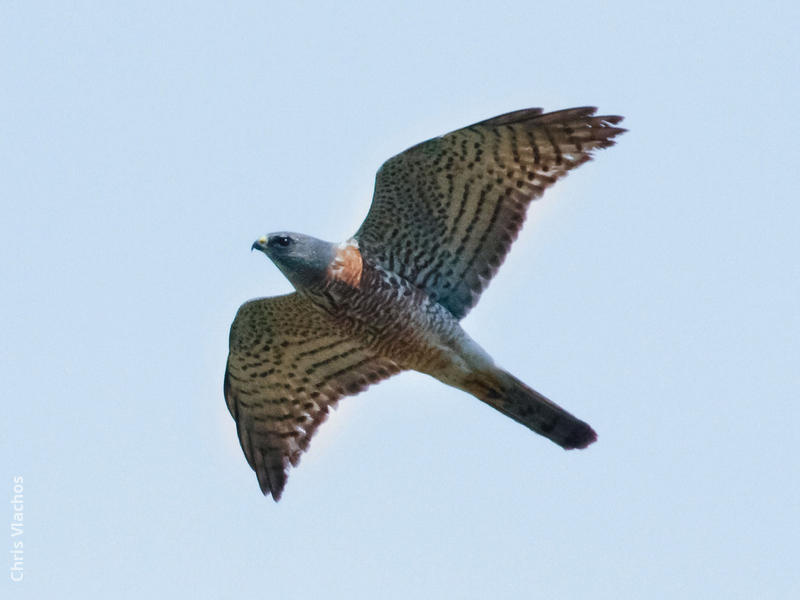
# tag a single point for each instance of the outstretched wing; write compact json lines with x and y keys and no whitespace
{"x":446,"y":211}
{"x":288,"y":364}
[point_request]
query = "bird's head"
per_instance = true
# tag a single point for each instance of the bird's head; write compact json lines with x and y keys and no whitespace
{"x":301,"y":258}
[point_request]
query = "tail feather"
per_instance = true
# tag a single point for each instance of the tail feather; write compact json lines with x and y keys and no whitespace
{"x":510,"y":396}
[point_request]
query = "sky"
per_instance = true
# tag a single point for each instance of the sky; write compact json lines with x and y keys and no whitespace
{"x":654,"y":293}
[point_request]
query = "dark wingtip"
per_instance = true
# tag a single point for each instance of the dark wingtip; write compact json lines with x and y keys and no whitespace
{"x":612,"y":119}
{"x":275,"y":493}
{"x":273,"y":486}
{"x":271,"y":477}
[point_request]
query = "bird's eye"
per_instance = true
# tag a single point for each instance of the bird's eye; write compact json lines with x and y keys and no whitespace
{"x":283,"y":240}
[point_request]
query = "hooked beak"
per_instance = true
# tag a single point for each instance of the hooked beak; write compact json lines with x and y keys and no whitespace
{"x":259,"y":244}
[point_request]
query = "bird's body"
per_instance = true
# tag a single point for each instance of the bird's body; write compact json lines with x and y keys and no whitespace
{"x":390,"y":299}
{"x":393,"y":318}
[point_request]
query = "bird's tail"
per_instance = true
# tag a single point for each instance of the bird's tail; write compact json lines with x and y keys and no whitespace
{"x":510,"y":396}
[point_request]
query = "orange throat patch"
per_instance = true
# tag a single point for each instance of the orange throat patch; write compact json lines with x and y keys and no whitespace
{"x":346,"y":265}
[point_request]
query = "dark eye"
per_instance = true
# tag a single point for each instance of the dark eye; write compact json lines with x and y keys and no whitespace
{"x":282,"y":240}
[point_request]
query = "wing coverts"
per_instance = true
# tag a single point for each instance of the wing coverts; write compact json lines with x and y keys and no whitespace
{"x":446,"y":211}
{"x":288,"y":364}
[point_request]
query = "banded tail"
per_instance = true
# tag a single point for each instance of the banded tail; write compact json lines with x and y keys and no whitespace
{"x":510,"y":396}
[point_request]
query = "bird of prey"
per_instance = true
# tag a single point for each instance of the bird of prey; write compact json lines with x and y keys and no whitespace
{"x":443,"y":217}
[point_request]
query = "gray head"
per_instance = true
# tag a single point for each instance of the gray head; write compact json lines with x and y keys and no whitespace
{"x":301,"y":258}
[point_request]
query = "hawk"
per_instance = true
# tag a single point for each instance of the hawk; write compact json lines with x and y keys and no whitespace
{"x":389,"y":299}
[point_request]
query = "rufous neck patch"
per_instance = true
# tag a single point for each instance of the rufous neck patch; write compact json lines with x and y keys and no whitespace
{"x":346,"y":265}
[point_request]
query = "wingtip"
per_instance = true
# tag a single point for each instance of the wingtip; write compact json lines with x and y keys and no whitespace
{"x":271,"y":477}
{"x":269,"y":492}
{"x":612,"y":119}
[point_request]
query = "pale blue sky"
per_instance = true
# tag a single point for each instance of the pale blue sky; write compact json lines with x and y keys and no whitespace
{"x":655,"y":293}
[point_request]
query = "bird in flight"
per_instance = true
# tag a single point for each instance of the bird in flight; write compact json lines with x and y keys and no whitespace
{"x":389,"y":299}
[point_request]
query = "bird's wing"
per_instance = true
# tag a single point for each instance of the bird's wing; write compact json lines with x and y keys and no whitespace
{"x":288,"y":364}
{"x":446,"y":211}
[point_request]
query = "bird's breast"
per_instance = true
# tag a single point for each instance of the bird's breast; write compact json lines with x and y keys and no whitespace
{"x":392,"y":316}
{"x":347,"y":265}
